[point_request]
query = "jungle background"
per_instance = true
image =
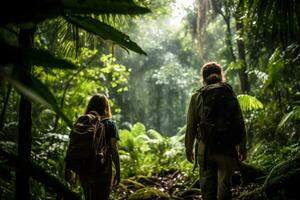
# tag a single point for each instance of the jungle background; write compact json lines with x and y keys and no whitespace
{"x":146,"y":57}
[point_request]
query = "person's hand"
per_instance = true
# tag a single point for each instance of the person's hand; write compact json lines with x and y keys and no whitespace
{"x":117,"y":179}
{"x":242,"y":154}
{"x":190,"y":155}
{"x":68,"y":175}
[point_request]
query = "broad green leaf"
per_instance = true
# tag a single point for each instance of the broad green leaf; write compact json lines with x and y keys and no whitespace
{"x":138,"y":129}
{"x":11,"y":54}
{"x":276,"y":65}
{"x":38,"y":11}
{"x":248,"y":102}
{"x":102,"y":7}
{"x":294,"y":114}
{"x":155,"y":135}
{"x":38,"y":92}
{"x":105,"y":31}
{"x":45,"y":59}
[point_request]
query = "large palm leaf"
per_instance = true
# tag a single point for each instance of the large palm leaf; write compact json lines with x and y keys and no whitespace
{"x":31,"y":11}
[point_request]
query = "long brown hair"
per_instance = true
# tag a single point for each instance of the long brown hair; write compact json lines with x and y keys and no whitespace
{"x":100,"y":104}
{"x":212,"y":73}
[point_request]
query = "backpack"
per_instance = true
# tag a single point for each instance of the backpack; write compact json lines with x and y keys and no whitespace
{"x":88,"y":148}
{"x":220,"y":117}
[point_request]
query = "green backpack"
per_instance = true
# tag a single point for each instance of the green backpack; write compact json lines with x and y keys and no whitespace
{"x":221,"y":123}
{"x":88,"y":148}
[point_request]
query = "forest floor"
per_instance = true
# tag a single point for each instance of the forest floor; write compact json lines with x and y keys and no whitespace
{"x":172,"y":184}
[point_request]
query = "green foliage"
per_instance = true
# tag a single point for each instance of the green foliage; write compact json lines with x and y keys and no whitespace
{"x":293,"y":115}
{"x":68,"y":9}
{"x":275,"y":67}
{"x":102,"y":75}
{"x":248,"y":103}
{"x":105,"y":31}
{"x":175,"y":76}
{"x":11,"y":54}
{"x":139,"y":149}
{"x":149,"y":193}
{"x":278,"y":120}
{"x":154,"y":90}
{"x":273,"y":20}
{"x":160,"y":84}
{"x":36,"y":91}
{"x":267,"y":154}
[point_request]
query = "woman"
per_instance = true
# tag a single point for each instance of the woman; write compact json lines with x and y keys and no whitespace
{"x":97,"y":186}
{"x":216,"y":165}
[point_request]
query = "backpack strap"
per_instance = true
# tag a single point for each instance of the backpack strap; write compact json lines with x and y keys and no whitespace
{"x":99,"y":142}
{"x":200,"y":106}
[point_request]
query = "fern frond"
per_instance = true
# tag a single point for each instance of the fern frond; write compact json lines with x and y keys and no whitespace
{"x":249,"y":103}
{"x":294,"y":114}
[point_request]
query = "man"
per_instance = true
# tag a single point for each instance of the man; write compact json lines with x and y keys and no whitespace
{"x":219,"y":146}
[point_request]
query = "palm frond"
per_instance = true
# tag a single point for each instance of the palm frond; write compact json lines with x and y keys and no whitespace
{"x":24,"y":13}
{"x":11,"y":54}
{"x":262,"y":76}
{"x":103,"y":7}
{"x":66,"y":38}
{"x":36,"y":91}
{"x":248,"y":103}
{"x":294,"y":114}
{"x":105,"y":31}
{"x":274,"y":19}
{"x":276,"y":65}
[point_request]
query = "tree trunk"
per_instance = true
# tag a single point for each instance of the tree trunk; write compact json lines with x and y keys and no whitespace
{"x":5,"y":104}
{"x":24,"y":129}
{"x":243,"y":74}
{"x":158,"y":107}
{"x":229,"y":38}
{"x":33,"y":170}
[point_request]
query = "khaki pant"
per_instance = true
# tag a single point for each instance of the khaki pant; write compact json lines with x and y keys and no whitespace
{"x":97,"y":186}
{"x":216,"y":177}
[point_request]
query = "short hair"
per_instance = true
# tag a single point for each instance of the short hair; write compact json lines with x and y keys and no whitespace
{"x":100,"y":104}
{"x":212,"y":73}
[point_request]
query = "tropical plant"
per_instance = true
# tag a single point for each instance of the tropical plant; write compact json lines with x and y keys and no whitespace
{"x":275,"y":21}
{"x":19,"y":59}
{"x":249,"y":103}
{"x":139,"y":149}
{"x":69,"y":11}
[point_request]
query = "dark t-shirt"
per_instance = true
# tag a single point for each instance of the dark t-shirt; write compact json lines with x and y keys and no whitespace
{"x":111,"y":129}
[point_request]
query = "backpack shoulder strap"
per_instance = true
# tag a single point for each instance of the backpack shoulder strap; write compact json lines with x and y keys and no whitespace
{"x":93,"y":112}
{"x":101,"y":138}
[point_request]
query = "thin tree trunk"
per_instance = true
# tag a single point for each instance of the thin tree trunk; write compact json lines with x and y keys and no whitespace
{"x":243,"y":75}
{"x":158,"y":107}
{"x":228,"y":38}
{"x":25,"y":123}
{"x":64,"y":96}
{"x":226,"y":15}
{"x":35,"y":171}
{"x":2,"y":120}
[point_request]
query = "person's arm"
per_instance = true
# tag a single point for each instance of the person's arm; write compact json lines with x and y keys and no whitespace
{"x":191,"y":130}
{"x":241,"y":148}
{"x":116,"y":160}
{"x":68,"y":173}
